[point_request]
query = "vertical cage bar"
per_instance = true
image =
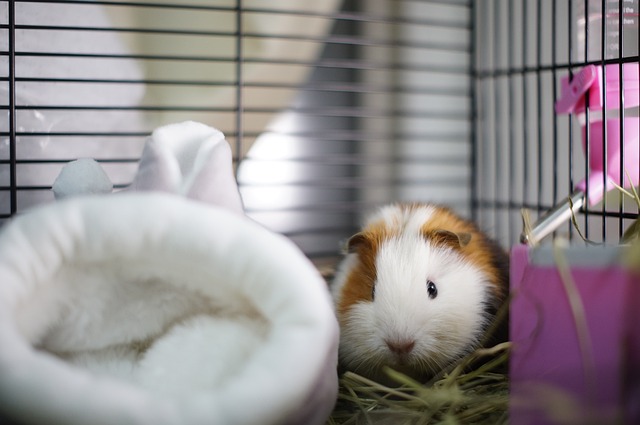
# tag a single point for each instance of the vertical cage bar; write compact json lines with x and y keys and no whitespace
{"x":539,"y":100}
{"x":13,"y":184}
{"x":239,"y":82}
{"x":482,"y":83}
{"x":525,"y":109}
{"x":621,"y":100}
{"x":603,"y":44}
{"x":497,"y":115}
{"x":587,"y":119}
{"x":473,"y":34}
{"x":511,"y":105}
{"x":570,"y":164}
{"x":554,"y":74}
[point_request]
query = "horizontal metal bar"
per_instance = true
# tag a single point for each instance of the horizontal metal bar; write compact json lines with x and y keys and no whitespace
{"x":351,"y":182}
{"x":320,"y":231}
{"x":314,"y":111}
{"x":351,"y":64}
{"x":324,"y":87}
{"x":115,"y":134}
{"x":486,"y":204}
{"x":135,"y":30}
{"x":315,"y":136}
{"x":509,"y":72}
{"x":329,"y":39}
{"x":335,"y":207}
{"x":43,"y":188}
{"x":337,"y":15}
{"x":322,"y":159}
{"x":64,"y":161}
{"x":359,"y":159}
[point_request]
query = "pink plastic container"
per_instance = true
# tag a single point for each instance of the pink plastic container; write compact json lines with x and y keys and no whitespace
{"x":549,"y":368}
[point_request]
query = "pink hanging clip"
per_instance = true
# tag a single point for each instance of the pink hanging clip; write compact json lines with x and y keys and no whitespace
{"x":572,"y":99}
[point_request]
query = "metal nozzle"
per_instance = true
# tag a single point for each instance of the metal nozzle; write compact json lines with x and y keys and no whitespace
{"x":551,"y":220}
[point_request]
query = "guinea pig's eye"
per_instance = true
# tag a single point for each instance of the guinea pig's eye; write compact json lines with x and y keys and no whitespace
{"x":431,"y":289}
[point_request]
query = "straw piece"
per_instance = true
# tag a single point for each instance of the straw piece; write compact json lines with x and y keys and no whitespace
{"x":579,"y":317}
{"x":574,"y":220}
{"x":633,"y":232}
{"x":527,"y":227}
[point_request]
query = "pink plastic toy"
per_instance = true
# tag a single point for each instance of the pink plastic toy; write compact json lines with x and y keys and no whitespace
{"x":604,"y":158}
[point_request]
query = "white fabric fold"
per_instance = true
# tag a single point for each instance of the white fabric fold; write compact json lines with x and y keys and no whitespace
{"x":83,"y":176}
{"x":149,"y":308}
{"x":189,"y":159}
{"x":192,"y":160}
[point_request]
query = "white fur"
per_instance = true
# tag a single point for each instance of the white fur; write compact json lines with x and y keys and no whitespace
{"x":393,"y":217}
{"x":444,"y":328}
{"x":407,"y":220}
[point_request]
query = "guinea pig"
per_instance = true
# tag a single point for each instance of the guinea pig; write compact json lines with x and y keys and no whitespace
{"x":416,"y":291}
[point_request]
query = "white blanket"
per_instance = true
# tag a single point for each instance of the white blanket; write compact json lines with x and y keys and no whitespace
{"x":151,"y":308}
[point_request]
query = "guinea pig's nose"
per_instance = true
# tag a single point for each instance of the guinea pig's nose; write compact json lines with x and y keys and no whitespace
{"x":401,"y":347}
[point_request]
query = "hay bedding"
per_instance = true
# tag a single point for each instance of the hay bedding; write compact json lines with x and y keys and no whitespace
{"x":458,"y":395}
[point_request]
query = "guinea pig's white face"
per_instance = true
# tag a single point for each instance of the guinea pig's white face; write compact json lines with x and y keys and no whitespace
{"x":427,"y":309}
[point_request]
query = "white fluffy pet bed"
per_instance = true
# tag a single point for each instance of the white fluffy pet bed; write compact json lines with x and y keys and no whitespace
{"x":149,"y":308}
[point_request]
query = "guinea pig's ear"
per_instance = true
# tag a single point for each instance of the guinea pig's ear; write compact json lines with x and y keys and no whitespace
{"x":459,"y":240}
{"x":354,"y":242}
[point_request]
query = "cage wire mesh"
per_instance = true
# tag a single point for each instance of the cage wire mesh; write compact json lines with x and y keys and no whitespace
{"x":527,"y":155}
{"x":332,"y":107}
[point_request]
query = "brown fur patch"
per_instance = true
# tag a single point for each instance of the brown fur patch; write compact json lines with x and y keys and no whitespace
{"x":359,"y":284}
{"x":480,"y":251}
